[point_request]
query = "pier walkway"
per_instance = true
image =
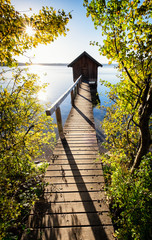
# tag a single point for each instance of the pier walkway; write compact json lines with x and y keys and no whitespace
{"x":74,"y":205}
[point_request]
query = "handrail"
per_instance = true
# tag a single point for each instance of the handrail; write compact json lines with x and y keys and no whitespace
{"x":62,"y":98}
{"x":56,"y":106}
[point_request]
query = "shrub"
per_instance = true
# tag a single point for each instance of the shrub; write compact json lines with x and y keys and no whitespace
{"x":24,"y":131}
{"x":131,"y":201}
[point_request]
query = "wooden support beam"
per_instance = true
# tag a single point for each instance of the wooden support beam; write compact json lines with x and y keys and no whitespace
{"x":59,"y":122}
{"x":75,"y":92}
{"x":72,"y":98}
{"x":77,"y":88}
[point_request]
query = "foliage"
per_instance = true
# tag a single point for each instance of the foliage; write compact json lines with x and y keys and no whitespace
{"x":24,"y":128}
{"x":47,"y":24}
{"x":131,"y":195}
{"x":126,"y":29}
{"x":22,"y":138}
{"x":127,"y":32}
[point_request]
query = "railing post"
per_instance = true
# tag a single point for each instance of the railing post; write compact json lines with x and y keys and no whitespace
{"x":79,"y":83}
{"x":75,"y":92}
{"x":59,"y":122}
{"x":78,"y":88}
{"x":72,"y":98}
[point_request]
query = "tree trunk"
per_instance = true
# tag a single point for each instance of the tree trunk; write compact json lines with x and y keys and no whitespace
{"x":144,"y":144}
{"x":144,"y":118}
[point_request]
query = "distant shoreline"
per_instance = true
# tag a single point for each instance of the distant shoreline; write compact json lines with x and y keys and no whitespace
{"x":42,"y":64}
{"x":51,"y":64}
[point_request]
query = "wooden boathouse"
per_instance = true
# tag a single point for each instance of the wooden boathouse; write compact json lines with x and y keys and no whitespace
{"x":86,"y":66}
{"x":74,"y":205}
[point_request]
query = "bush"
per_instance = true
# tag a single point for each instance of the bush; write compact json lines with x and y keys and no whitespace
{"x":24,"y":131}
{"x":131,"y":201}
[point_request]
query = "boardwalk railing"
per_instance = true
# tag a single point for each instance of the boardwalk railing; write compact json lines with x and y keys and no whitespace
{"x":74,"y":89}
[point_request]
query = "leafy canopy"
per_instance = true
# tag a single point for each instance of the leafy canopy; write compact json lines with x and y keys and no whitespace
{"x":126,"y":29}
{"x":25,"y":130}
{"x":47,"y":25}
{"x":127,"y":40}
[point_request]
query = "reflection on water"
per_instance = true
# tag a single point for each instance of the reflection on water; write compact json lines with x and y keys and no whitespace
{"x":94,"y":97}
{"x":58,"y":78}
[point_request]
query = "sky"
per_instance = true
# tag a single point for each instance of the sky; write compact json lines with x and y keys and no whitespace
{"x":77,"y":40}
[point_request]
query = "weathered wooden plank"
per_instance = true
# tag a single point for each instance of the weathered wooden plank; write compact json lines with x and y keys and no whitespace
{"x":71,"y":162}
{"x":77,"y":148}
{"x":75,"y":187}
{"x":75,"y":219}
{"x":78,"y":156}
{"x":93,"y":166}
{"x":72,"y":233}
{"x":73,"y":145}
{"x":59,"y":160}
{"x":75,"y":152}
{"x":65,"y":207}
{"x":77,"y":179}
{"x":74,"y":196}
{"x":74,"y":172}
{"x":81,"y":139}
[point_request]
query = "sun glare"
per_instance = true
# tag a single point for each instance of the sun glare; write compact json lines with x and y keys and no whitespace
{"x":30,"y":31}
{"x":42,"y":96}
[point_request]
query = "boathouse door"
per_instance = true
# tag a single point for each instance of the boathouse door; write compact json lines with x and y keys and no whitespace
{"x":85,"y":72}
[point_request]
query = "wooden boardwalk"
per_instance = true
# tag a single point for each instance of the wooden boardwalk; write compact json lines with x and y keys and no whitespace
{"x":74,"y":204}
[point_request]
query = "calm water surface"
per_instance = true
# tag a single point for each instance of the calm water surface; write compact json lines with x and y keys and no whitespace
{"x":60,"y":78}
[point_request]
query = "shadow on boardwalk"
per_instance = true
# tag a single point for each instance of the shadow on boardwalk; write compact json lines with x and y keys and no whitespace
{"x":44,"y":207}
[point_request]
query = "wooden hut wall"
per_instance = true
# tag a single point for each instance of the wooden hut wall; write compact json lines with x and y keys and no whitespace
{"x":86,"y":67}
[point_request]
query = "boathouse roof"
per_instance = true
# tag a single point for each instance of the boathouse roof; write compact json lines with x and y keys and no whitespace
{"x":87,"y":55}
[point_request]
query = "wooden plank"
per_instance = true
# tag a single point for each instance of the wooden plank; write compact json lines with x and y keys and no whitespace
{"x":75,"y":187}
{"x":72,"y":233}
{"x":91,"y":166}
{"x":75,"y":152}
{"x":77,"y":179}
{"x":61,"y":220}
{"x":75,"y":219}
{"x":82,"y":138}
{"x":65,"y":207}
{"x":64,"y":160}
{"x":74,"y":196}
{"x":78,"y":145}
{"x":74,"y":172}
{"x":78,"y":156}
{"x":71,"y":162}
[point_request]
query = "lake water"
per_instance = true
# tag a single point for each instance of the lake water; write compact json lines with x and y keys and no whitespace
{"x":60,"y":78}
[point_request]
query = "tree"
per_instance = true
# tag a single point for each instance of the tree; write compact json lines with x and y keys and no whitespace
{"x":126,"y":28}
{"x":48,"y":25}
{"x":24,"y":127}
{"x":127,"y":32}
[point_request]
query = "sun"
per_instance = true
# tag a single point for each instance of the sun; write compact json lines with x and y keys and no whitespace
{"x":30,"y":31}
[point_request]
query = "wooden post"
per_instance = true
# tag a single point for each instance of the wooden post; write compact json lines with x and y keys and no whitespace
{"x":75,"y":92}
{"x":59,"y":122}
{"x":72,"y":98}
{"x":80,"y":83}
{"x":78,"y":88}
